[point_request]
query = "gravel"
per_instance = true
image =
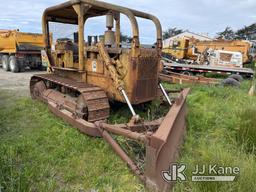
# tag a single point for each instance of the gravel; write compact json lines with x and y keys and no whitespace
{"x":17,"y":83}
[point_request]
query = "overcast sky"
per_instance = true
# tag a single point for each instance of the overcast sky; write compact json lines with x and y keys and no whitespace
{"x":202,"y":16}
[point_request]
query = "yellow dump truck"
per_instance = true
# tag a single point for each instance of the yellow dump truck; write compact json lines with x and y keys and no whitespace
{"x":20,"y":50}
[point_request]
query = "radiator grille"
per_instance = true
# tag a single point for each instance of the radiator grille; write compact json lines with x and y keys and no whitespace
{"x":147,"y":75}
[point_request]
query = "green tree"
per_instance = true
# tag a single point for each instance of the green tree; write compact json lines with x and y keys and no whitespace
{"x":227,"y":34}
{"x":171,"y":32}
{"x":247,"y":32}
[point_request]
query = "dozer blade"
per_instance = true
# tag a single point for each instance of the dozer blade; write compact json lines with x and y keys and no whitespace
{"x":162,"y":137}
{"x":163,"y":147}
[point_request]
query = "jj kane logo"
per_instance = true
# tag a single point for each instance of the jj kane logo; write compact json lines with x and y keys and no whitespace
{"x":177,"y":172}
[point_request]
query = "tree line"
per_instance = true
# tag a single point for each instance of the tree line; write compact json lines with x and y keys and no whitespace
{"x":246,"y":33}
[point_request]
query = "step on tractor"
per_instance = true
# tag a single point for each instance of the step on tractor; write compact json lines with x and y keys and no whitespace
{"x":84,"y":77}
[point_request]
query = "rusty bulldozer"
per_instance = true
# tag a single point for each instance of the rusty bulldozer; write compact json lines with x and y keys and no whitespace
{"x":84,"y":77}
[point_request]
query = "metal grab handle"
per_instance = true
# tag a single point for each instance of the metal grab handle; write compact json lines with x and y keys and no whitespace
{"x":165,"y":94}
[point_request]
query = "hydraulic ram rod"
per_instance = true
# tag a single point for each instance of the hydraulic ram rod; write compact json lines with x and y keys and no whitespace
{"x":165,"y":94}
{"x":128,"y":103}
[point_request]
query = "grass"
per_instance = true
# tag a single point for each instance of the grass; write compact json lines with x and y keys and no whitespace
{"x":222,"y":131}
{"x":39,"y":152}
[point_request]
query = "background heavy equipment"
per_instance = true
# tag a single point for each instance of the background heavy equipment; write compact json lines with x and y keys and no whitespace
{"x":241,"y":46}
{"x":190,"y":56}
{"x":194,"y":50}
{"x":84,"y":76}
{"x":20,"y":50}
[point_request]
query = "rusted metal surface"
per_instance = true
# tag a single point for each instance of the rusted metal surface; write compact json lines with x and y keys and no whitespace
{"x":186,"y":79}
{"x":124,"y":132}
{"x":163,"y":147}
{"x":38,"y":89}
{"x":201,"y":69}
{"x":136,"y":67}
{"x":161,"y":137}
{"x":91,"y":97}
{"x":116,"y":147}
{"x":147,"y":81}
{"x":118,"y":82}
{"x":98,"y":8}
{"x":78,"y":90}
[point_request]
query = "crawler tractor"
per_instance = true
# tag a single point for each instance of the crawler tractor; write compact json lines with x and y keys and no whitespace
{"x":84,"y":76}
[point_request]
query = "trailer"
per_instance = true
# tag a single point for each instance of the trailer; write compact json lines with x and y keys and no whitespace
{"x":20,"y":50}
{"x":178,"y":78}
{"x":192,"y":49}
{"x":193,"y":69}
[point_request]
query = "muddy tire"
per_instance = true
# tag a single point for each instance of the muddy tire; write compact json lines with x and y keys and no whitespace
{"x":186,"y":73}
{"x":21,"y":65}
{"x":14,"y":64}
{"x":239,"y":78}
{"x":5,"y":62}
{"x":231,"y":82}
{"x":42,"y":68}
{"x":164,"y":71}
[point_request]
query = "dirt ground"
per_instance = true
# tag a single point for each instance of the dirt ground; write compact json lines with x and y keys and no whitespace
{"x":16,"y":82}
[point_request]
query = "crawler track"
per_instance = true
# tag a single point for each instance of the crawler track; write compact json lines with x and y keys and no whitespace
{"x":94,"y":98}
{"x":86,"y":107}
